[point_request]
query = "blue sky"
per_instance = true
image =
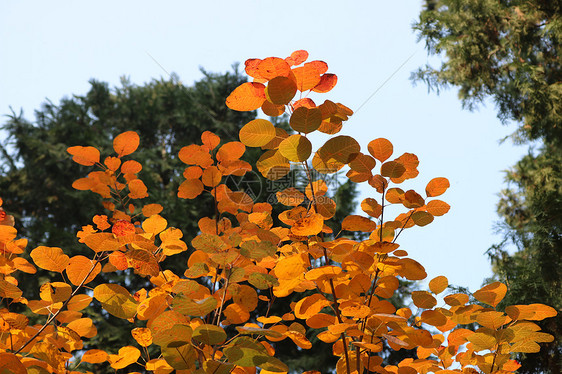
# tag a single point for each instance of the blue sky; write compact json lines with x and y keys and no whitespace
{"x":51,"y":50}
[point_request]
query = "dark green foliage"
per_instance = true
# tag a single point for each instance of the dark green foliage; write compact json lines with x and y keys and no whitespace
{"x":511,"y":51}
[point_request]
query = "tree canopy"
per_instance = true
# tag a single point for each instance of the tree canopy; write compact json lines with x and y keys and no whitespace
{"x":510,"y":52}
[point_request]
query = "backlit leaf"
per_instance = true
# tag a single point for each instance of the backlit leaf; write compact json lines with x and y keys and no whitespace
{"x":305,"y":120}
{"x":492,"y":319}
{"x":380,"y":148}
{"x":438,"y":284}
{"x":246,"y":97}
{"x":327,"y":82}
{"x":307,"y":76}
{"x":297,"y":57}
{"x":422,"y":218}
{"x":80,"y":270}
{"x":296,"y":148}
{"x":482,"y":341}
{"x":86,"y":156}
{"x":210,"y":140}
{"x":272,"y":67}
{"x":335,"y":153}
{"x":257,"y":133}
{"x":280,"y":90}
{"x":273,"y":165}
{"x":437,"y":207}
{"x":491,"y":294}
{"x":190,"y":189}
{"x":309,"y":225}
{"x":230,"y":151}
{"x":190,"y":307}
{"x":392,"y":169}
{"x":126,"y":143}
{"x":116,"y":300}
{"x":358,"y":223}
{"x":131,"y":167}
{"x":10,"y":363}
{"x":94,"y":356}
{"x":290,"y":197}
{"x":209,"y":334}
{"x":531,"y":312}
{"x":127,"y":355}
{"x":137,"y":189}
{"x":50,"y":258}
{"x":423,"y":299}
{"x":142,"y":335}
{"x":437,"y":186}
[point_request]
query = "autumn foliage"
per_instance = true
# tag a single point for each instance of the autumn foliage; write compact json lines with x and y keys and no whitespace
{"x":203,"y":321}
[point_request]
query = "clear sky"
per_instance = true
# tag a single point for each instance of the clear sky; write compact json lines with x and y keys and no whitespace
{"x":51,"y":50}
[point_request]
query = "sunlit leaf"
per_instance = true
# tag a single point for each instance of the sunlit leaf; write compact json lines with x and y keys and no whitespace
{"x":380,"y":148}
{"x":309,"y":225}
{"x":142,"y":335}
{"x":50,"y":258}
{"x":126,"y":143}
{"x":296,"y":148}
{"x":436,"y":187}
{"x":297,"y":57}
{"x":438,"y":284}
{"x":190,"y":189}
{"x":131,"y":167}
{"x":482,"y":341}
{"x":273,"y":165}
{"x":307,"y":76}
{"x":327,"y":82}
{"x":94,"y":356}
{"x":137,"y":189}
{"x":437,"y":207}
{"x":190,"y":307}
{"x":116,"y":300}
{"x":230,"y":151}
{"x":82,"y":269}
{"x":86,"y":156}
{"x":246,"y":97}
{"x":423,"y":299}
{"x":290,"y":197}
{"x":491,"y":294}
{"x":422,"y":218}
{"x":492,"y":319}
{"x":127,"y":355}
{"x":531,"y":312}
{"x":358,"y":223}
{"x":335,"y":153}
{"x":210,"y":140}
{"x":257,"y":133}
{"x":272,"y":67}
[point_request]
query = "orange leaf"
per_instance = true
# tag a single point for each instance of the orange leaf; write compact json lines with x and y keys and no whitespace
{"x":78,"y":269}
{"x":94,"y":356}
{"x":211,"y":176}
{"x":155,"y":224}
{"x":230,"y":151}
{"x":423,"y":299}
{"x":246,"y":97}
{"x":327,"y":82}
{"x":142,"y":335}
{"x":86,"y":156}
{"x":126,"y":143}
{"x":112,"y":163}
{"x":437,"y":207}
{"x":436,"y":187}
{"x":50,"y":258}
{"x":123,"y":228}
{"x":491,"y":294}
{"x":190,"y":189}
{"x":272,"y":67}
{"x":438,"y":284}
{"x":297,"y":57}
{"x":532,"y":312}
{"x":358,"y":223}
{"x":131,"y":167}
{"x":310,"y":225}
{"x":210,"y":140}
{"x":307,"y":77}
{"x":380,"y":148}
{"x":127,"y":355}
{"x":290,"y":197}
{"x":151,"y":209}
{"x":137,"y":189}
{"x":10,"y":363}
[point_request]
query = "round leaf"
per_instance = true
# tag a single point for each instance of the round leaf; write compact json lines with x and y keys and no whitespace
{"x":296,"y":148}
{"x":126,"y":143}
{"x":257,"y":133}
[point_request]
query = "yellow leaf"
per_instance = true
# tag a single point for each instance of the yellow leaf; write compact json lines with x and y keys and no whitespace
{"x":116,"y":300}
{"x":296,"y":148}
{"x":257,"y":133}
{"x":127,"y":355}
{"x":423,"y":299}
{"x":246,"y":97}
{"x":532,"y":312}
{"x":142,"y":335}
{"x":155,"y":224}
